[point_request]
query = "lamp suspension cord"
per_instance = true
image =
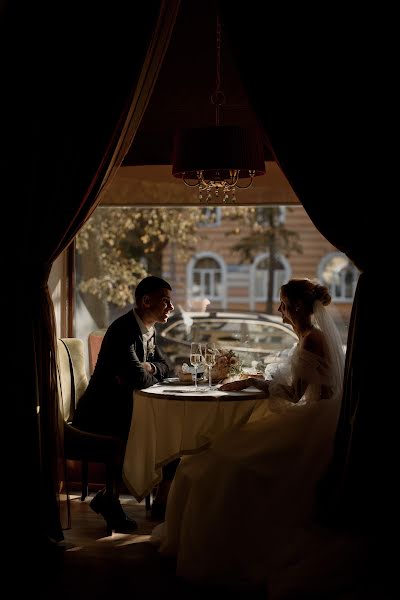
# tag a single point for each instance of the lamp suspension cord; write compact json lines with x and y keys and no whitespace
{"x":218,"y":97}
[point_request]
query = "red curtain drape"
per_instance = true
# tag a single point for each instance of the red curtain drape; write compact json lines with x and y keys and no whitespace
{"x":316,"y":80}
{"x":75,"y":91}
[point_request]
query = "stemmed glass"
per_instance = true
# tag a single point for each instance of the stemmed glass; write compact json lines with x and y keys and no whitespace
{"x":196,"y":358}
{"x":209,"y":359}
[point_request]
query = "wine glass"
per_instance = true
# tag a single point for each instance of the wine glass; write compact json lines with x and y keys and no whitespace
{"x":209,"y":359}
{"x":196,"y":358}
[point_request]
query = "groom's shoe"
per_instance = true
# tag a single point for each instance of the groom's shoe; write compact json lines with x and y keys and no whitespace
{"x":97,"y":503}
{"x":121,"y":523}
{"x":113,"y":513}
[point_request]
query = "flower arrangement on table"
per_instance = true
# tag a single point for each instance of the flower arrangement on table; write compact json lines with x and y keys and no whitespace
{"x":227,"y":364}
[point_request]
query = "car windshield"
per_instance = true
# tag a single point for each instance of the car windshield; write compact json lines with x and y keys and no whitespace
{"x":253,"y":339}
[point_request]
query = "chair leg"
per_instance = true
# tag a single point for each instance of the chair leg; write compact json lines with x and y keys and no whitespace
{"x":111,"y":488}
{"x":85,"y":480}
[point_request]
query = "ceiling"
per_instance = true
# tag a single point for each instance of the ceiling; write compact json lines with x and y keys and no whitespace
{"x":182,"y":98}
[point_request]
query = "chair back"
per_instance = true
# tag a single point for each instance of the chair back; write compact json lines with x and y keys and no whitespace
{"x":72,"y":374}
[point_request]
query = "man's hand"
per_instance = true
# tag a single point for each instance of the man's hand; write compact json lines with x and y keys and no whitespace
{"x":149,"y":368}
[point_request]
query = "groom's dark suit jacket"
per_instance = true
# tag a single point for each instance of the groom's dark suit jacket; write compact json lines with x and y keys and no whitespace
{"x":106,"y":406}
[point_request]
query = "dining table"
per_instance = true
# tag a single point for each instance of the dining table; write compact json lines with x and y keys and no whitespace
{"x":172,"y":419}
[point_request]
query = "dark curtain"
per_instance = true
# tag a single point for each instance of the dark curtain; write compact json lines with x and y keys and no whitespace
{"x":319,"y":83}
{"x":73,"y":75}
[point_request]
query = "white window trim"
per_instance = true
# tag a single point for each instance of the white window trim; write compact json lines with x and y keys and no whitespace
{"x":218,"y":217}
{"x":282,"y":213}
{"x":320,"y":271}
{"x":287,"y":274}
{"x":189,"y":277}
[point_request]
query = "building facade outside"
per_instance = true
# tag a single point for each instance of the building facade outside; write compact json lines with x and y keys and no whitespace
{"x":214,"y":276}
{"x":211,"y":275}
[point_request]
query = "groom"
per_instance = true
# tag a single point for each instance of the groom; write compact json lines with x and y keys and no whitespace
{"x":128,"y":360}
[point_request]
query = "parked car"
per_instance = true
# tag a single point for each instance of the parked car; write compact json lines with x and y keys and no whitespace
{"x":254,"y":337}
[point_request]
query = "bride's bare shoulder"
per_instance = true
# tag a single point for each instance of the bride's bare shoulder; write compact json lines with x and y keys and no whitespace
{"x":314,"y":342}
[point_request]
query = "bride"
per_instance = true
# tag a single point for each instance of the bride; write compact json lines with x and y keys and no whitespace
{"x":238,"y":512}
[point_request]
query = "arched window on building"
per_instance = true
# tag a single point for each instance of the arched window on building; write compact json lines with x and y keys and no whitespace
{"x":206,"y":276}
{"x":260,"y":274}
{"x":340,"y":275}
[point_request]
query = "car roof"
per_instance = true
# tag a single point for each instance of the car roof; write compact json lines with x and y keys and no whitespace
{"x":227,"y":315}
{"x":239,"y":316}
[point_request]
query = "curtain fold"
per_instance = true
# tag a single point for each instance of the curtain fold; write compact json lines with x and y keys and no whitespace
{"x":71,"y":92}
{"x":306,"y":81}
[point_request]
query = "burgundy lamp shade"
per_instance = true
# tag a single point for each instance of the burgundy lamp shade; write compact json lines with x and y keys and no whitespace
{"x":217,"y":151}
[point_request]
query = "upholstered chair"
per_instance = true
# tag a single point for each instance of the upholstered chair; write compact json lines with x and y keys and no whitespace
{"x":81,"y":445}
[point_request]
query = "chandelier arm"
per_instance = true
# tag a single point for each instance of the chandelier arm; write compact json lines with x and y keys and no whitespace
{"x":190,"y":184}
{"x":234,"y":178}
{"x":252,"y":174}
{"x":244,"y":187}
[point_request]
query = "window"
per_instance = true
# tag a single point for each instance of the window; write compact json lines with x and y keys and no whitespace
{"x":272,"y":215}
{"x":206,"y":278}
{"x":339,"y":274}
{"x":121,"y":244}
{"x":210,"y":216}
{"x":260,"y":276}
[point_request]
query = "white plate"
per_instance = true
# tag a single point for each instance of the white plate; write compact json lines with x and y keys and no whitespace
{"x":177,"y":381}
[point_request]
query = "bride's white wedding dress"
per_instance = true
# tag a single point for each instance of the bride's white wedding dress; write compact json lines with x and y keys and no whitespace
{"x":238,"y":512}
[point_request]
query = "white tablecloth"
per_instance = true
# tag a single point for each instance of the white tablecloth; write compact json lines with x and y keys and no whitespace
{"x":168,"y":422}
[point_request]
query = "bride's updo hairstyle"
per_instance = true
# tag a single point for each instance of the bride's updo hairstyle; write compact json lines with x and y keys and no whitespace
{"x":314,"y":297}
{"x":307,"y":292}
